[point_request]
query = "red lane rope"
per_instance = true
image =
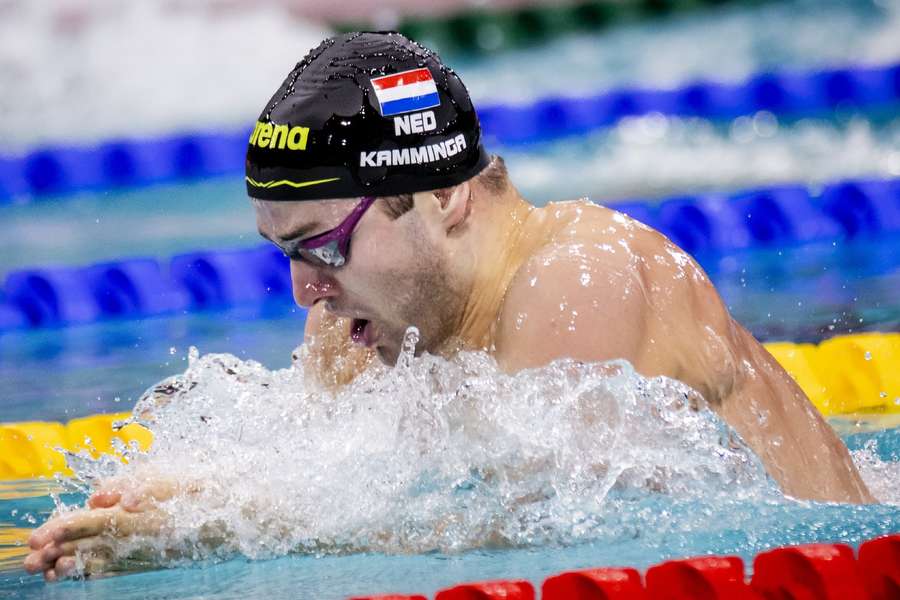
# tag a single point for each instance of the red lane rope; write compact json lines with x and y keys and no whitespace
{"x":808,"y":572}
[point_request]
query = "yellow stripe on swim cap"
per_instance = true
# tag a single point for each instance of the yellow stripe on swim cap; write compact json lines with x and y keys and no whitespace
{"x":294,"y":184}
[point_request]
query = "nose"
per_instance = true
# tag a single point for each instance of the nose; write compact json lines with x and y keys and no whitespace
{"x":310,"y":284}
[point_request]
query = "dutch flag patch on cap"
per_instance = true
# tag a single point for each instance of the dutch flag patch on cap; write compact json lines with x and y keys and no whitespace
{"x":405,"y":92}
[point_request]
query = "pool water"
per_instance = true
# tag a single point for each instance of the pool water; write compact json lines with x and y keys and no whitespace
{"x":335,"y":578}
{"x":803,"y":293}
{"x":687,"y":156}
{"x":799,"y":293}
{"x":102,"y":44}
{"x":728,"y":43}
{"x":648,"y":530}
{"x":743,"y":532}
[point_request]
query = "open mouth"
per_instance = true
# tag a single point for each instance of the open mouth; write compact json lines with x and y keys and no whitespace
{"x":358,"y":330}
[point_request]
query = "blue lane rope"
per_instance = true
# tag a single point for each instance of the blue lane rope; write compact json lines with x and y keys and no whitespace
{"x":118,"y":163}
{"x":707,"y":224}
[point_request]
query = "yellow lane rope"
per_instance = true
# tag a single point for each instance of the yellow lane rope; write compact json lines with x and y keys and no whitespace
{"x":858,"y":373}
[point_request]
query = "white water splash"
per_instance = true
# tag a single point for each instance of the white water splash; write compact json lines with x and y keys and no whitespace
{"x":693,"y":155}
{"x":430,"y":455}
{"x":163,"y":67}
{"x":54,"y":56}
{"x":880,"y":476}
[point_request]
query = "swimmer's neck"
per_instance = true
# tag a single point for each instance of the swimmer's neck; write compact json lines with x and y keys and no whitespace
{"x":504,"y":233}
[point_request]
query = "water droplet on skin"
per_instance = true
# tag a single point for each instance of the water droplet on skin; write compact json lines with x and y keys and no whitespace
{"x":520,"y":319}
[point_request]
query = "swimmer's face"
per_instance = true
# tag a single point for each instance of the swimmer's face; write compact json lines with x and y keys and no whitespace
{"x":395,"y":275}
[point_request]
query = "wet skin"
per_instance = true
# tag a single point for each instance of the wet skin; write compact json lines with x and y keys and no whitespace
{"x":475,"y":269}
{"x":581,"y":281}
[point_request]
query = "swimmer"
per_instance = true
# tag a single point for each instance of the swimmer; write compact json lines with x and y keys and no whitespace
{"x":368,"y":170}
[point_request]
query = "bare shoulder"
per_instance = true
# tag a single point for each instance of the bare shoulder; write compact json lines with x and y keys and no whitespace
{"x":581,"y":295}
{"x":607,"y":287}
{"x":693,"y":332}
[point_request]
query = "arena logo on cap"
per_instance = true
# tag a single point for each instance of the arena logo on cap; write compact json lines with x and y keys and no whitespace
{"x":405,"y":92}
{"x":269,"y":135}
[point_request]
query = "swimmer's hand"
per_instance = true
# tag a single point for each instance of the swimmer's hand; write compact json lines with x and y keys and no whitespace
{"x":83,"y":542}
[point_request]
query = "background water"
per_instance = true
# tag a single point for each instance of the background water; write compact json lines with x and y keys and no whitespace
{"x":113,"y":45}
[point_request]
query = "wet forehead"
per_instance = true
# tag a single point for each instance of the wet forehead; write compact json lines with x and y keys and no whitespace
{"x":289,"y":220}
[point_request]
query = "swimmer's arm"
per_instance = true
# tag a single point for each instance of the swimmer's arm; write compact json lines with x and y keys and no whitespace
{"x":759,"y":399}
{"x":809,"y":460}
{"x":564,"y":305}
{"x":332,"y":358}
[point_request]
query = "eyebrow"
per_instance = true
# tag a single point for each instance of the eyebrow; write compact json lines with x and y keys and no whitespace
{"x":292,"y":236}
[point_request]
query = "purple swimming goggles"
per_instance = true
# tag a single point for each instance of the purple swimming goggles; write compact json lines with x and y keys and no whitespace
{"x":332,"y":247}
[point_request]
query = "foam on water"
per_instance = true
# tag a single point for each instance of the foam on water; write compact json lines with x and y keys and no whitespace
{"x":55,"y":56}
{"x":689,"y":155}
{"x":432,"y":455}
{"x":86,"y":71}
{"x":881,"y":476}
{"x":727,"y":44}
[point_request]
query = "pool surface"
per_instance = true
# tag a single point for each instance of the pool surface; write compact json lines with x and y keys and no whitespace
{"x":651,"y":530}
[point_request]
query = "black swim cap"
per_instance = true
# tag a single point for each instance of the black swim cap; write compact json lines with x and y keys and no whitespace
{"x":365,"y":114}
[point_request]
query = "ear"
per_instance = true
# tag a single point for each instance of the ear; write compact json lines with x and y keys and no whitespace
{"x":448,"y":206}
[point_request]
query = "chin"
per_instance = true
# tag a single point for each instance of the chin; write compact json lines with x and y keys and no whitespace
{"x":389,"y":351}
{"x":387,"y":355}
